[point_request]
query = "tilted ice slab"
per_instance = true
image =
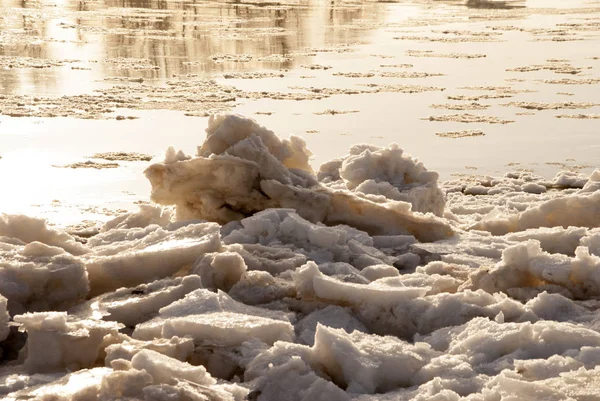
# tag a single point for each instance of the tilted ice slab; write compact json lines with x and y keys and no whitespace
{"x":228,"y":329}
{"x":220,"y":270}
{"x":30,"y":229}
{"x":164,"y":369}
{"x":134,"y":305}
{"x":215,"y":318}
{"x":38,"y":277}
{"x":125,"y":348}
{"x":55,"y":344}
{"x":243,"y":168}
{"x":331,"y":316}
{"x":128,"y":257}
{"x":311,"y":282}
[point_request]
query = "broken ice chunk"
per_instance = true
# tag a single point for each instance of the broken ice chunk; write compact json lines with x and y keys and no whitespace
{"x":164,"y":369}
{"x":220,"y":270}
{"x":131,"y":306}
{"x":310,"y":282}
{"x":243,"y":168}
{"x":204,"y":302}
{"x":127,"y":347}
{"x":526,"y":265}
{"x":54,"y":343}
{"x":228,"y":329}
{"x":331,"y":316}
{"x":32,"y":229}
{"x":4,"y":319}
{"x":38,"y":277}
{"x":128,"y":257}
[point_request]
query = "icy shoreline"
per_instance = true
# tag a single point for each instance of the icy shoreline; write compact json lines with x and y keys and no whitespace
{"x":261,"y":279}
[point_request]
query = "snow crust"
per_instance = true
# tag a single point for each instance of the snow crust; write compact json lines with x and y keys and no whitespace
{"x":366,"y":281}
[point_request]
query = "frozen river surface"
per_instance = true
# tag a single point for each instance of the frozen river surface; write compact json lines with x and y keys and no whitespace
{"x":204,"y":201}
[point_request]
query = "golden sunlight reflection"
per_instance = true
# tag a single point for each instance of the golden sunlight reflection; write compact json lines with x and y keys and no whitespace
{"x":86,"y":43}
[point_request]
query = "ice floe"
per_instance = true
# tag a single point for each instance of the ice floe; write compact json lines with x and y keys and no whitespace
{"x":257,"y":278}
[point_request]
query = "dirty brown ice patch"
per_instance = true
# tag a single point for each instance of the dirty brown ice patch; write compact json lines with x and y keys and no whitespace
{"x":192,"y":96}
{"x":396,"y":65}
{"x":498,"y":89}
{"x":461,"y":106}
{"x":19,"y":62}
{"x":80,"y":106}
{"x":571,"y":81}
{"x":253,"y":75}
{"x":89,"y":164}
{"x":580,"y":116}
{"x":123,"y":156}
{"x":410,"y":74}
{"x":322,"y":93}
{"x":354,"y":74}
{"x":460,"y":134}
{"x":483,"y":96}
{"x":556,"y":67}
{"x":551,"y":106}
{"x":231,"y":58}
{"x":130,"y":64}
{"x":448,"y":39}
{"x":489,"y":92}
{"x":333,"y":112}
{"x":468,"y":119}
{"x":316,"y":66}
{"x":383,"y":88}
{"x":431,"y":53}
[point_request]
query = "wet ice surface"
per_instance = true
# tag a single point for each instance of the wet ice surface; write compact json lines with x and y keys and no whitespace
{"x":254,"y":277}
{"x":78,"y":79}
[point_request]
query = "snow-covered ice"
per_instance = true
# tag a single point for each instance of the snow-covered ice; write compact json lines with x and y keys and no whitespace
{"x":256,"y":278}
